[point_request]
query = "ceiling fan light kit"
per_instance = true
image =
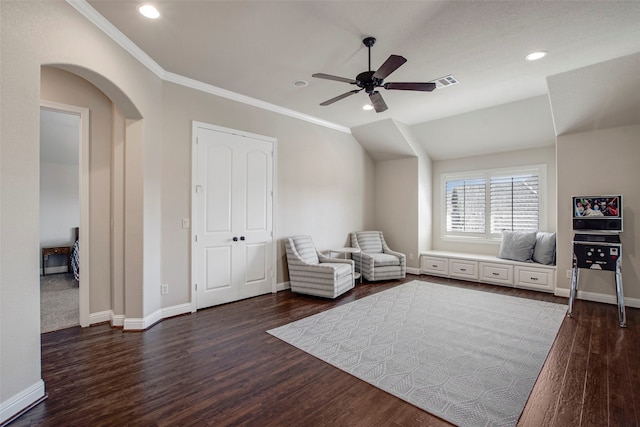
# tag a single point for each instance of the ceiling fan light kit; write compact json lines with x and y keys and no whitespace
{"x":370,"y":80}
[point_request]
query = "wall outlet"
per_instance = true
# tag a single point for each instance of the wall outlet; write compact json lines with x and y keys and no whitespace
{"x":410,"y":257}
{"x":568,"y":274}
{"x":164,"y":289}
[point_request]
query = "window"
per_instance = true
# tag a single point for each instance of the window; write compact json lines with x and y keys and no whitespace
{"x":466,"y":199}
{"x":481,"y":204}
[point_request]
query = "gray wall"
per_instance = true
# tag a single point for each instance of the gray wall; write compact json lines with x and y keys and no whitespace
{"x":600,"y":162}
{"x":597,"y":153}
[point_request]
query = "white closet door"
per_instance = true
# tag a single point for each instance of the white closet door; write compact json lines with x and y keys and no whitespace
{"x":234,"y":217}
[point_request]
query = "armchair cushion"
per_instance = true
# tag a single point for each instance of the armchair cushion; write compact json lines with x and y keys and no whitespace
{"x":382,"y":260}
{"x":377,"y":261}
{"x":305,"y":249}
{"x":369,"y":241}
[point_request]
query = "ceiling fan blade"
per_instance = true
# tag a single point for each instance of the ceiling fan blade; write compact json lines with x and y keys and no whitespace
{"x":378,"y":103}
{"x":336,"y":78}
{"x":392,"y":63}
{"x":425,"y":87}
{"x":339,"y":97}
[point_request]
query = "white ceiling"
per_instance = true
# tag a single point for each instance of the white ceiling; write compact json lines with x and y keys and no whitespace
{"x":260,"y":48}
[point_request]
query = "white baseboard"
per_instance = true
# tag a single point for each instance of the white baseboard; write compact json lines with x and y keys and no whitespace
{"x":283,"y":286}
{"x":415,"y":271}
{"x":598,"y":297}
{"x":21,"y":401}
{"x":176,"y":310}
{"x":140,"y":324}
{"x":117,"y":320}
{"x":100,"y":317}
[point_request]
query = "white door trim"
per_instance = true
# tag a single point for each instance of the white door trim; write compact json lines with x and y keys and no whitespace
{"x":84,"y":200}
{"x":194,"y":175}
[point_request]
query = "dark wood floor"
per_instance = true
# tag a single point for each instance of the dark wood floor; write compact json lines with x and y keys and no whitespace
{"x":218,"y":367}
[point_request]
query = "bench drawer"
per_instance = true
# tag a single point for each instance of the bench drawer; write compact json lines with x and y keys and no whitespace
{"x":435,"y":266}
{"x":501,"y":274}
{"x":463,"y":269}
{"x":534,"y":278}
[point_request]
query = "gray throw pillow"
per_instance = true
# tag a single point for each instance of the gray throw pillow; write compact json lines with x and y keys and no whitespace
{"x":517,"y":245}
{"x":545,"y":250}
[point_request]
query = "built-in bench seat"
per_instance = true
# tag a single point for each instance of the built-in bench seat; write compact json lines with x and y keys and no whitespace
{"x":489,"y":269}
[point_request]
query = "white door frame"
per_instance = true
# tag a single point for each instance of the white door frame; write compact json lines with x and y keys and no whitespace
{"x":83,"y":168}
{"x":194,"y":205}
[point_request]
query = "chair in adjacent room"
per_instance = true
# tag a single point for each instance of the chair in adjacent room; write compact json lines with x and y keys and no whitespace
{"x":377,"y":262}
{"x":312,"y":273}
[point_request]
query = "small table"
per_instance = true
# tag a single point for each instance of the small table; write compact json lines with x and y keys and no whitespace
{"x":351,"y":251}
{"x":56,"y":250}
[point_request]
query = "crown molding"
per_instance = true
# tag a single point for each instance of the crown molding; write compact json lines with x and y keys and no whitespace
{"x":224,"y":93}
{"x":123,"y":41}
{"x":116,"y":35}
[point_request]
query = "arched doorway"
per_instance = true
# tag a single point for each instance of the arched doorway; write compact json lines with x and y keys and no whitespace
{"x":102,"y":184}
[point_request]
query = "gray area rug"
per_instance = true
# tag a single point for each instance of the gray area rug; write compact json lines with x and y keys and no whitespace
{"x":59,"y":302}
{"x":467,"y":356}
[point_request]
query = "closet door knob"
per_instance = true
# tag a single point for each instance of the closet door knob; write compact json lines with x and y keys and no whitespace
{"x":241,"y":237}
{"x":235,"y":239}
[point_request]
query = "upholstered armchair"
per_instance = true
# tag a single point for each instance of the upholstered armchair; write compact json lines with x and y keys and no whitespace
{"x":312,"y":273}
{"x":377,"y":262}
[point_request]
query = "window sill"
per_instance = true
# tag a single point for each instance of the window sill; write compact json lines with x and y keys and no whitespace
{"x":474,"y":240}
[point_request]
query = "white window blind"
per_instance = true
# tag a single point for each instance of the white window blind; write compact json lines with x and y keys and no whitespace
{"x":515,"y":203}
{"x":466,"y":200}
{"x":482,"y":204}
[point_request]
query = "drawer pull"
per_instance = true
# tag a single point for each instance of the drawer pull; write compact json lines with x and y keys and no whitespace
{"x":463,"y":269}
{"x":533,"y":278}
{"x":434,"y":265}
{"x":495,"y":274}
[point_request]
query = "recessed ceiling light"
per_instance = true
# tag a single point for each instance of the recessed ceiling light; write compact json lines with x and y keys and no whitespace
{"x":367,"y":107}
{"x":300,"y":83}
{"x":149,"y":11}
{"x":534,"y":56}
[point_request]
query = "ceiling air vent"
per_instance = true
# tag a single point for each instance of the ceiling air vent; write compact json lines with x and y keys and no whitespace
{"x":445,"y":81}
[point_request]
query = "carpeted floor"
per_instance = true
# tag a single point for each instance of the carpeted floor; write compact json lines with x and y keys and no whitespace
{"x":59,"y":302}
{"x":467,"y":356}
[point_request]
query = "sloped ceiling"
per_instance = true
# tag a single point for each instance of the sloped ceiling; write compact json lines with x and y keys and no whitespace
{"x":383,"y":140}
{"x":258,"y":49}
{"x":599,"y":96}
{"x":513,"y":126}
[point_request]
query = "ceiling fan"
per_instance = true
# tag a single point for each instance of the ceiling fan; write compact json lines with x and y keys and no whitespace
{"x":370,"y":80}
